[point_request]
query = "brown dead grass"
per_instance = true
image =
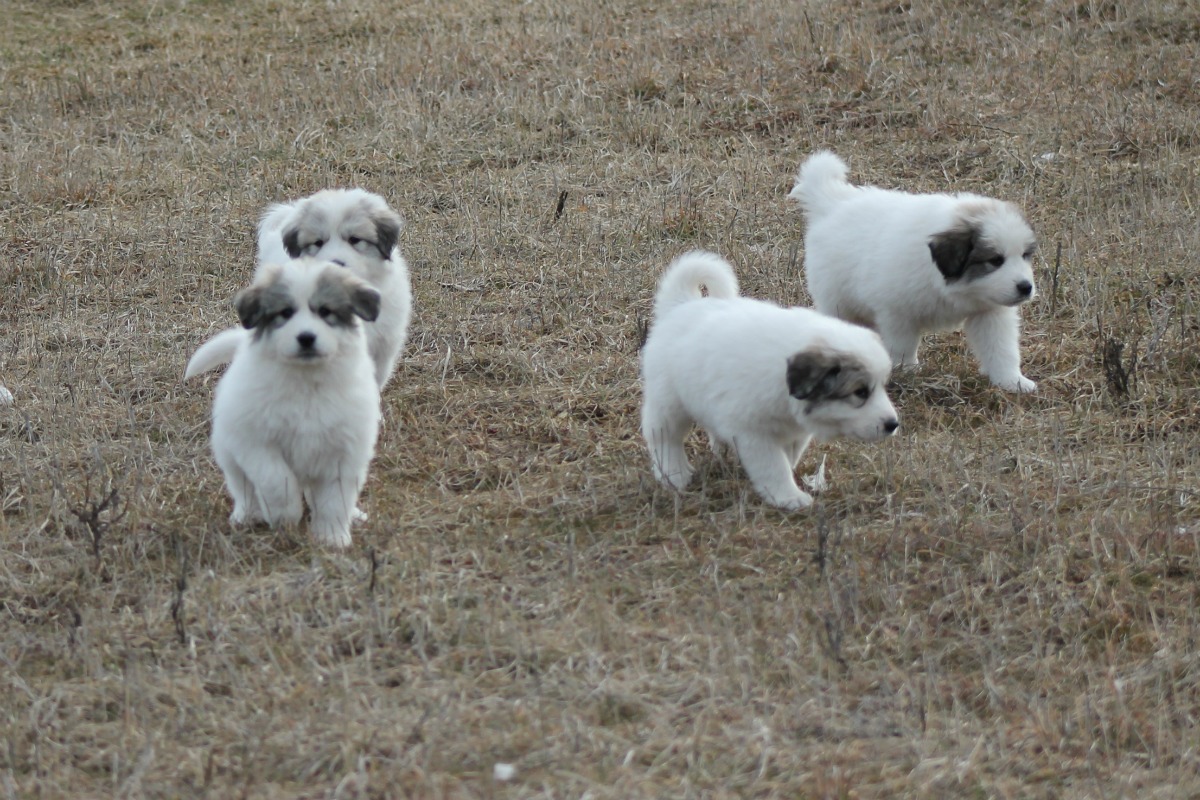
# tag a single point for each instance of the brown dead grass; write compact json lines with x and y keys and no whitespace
{"x":1001,"y":602}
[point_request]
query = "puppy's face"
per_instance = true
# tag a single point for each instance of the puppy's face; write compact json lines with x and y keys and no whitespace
{"x":838,"y":394}
{"x":987,"y":255}
{"x":349,"y":227}
{"x":305,"y":311}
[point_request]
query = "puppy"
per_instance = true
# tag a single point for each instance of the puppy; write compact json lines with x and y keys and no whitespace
{"x":352,"y":228}
{"x":761,"y":379}
{"x":907,"y":264}
{"x":296,"y":415}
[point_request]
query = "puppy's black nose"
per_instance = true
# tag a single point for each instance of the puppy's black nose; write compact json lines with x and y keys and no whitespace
{"x":306,"y":340}
{"x":1024,"y":288}
{"x":891,"y":425}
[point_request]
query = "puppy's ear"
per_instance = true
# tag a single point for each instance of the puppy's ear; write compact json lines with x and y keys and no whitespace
{"x":813,"y":374}
{"x":387,"y":231}
{"x":291,"y":241}
{"x":365,"y":301}
{"x":249,"y":305}
{"x":951,"y":250}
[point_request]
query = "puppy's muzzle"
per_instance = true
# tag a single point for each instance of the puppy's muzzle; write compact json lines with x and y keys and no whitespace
{"x":890,"y":426}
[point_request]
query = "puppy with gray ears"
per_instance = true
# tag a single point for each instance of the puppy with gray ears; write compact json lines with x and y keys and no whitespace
{"x":356,"y":230}
{"x":296,"y":415}
{"x":908,"y":264}
{"x":759,"y":378}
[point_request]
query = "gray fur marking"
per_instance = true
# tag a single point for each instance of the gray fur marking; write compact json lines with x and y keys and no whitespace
{"x":344,"y":299}
{"x":818,"y":376}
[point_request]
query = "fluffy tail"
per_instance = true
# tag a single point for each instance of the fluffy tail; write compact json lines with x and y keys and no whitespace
{"x":683,"y":279}
{"x":821,"y":182}
{"x":216,"y":351}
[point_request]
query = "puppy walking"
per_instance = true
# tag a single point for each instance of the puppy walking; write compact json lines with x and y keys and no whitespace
{"x":908,"y":264}
{"x":296,"y":415}
{"x":352,"y":228}
{"x":762,"y":379}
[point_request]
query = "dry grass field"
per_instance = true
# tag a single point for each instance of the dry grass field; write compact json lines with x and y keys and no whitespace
{"x":1002,"y":601}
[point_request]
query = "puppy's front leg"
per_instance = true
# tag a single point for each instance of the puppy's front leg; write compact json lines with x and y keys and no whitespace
{"x":280,"y":498}
{"x":994,"y":338}
{"x":333,"y":505}
{"x":770,"y":470}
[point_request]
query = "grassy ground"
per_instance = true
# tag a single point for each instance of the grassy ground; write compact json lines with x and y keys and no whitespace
{"x":1001,"y":602}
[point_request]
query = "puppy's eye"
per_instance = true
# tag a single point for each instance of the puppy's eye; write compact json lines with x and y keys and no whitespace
{"x":1027,"y":255}
{"x":324,"y":312}
{"x":312,"y":248}
{"x":360,"y":244}
{"x":862,"y":392}
{"x":353,"y":240}
{"x":997,"y":261}
{"x":286,"y":313}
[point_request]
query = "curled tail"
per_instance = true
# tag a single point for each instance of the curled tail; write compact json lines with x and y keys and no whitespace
{"x":218,"y":350}
{"x":821,"y":182}
{"x":683,"y":279}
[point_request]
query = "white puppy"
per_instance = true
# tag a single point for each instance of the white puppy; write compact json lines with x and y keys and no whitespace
{"x":352,"y":228}
{"x":762,"y":379}
{"x":907,"y":264}
{"x":296,"y":415}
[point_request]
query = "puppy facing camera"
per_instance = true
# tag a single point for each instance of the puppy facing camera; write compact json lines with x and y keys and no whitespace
{"x":296,"y":414}
{"x":760,"y":379}
{"x":910,"y":264}
{"x":353,"y":229}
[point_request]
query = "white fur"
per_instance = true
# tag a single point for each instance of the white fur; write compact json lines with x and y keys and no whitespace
{"x":724,"y":362}
{"x":343,"y":226}
{"x":294,"y":424}
{"x":869,"y":259}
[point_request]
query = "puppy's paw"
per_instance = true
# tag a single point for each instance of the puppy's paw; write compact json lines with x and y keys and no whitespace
{"x":797,"y":502}
{"x":331,"y":534}
{"x":1016,"y":384}
{"x":243,"y":518}
{"x":358,"y":515}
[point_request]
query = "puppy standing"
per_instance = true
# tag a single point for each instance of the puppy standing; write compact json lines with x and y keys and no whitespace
{"x":763,"y":379}
{"x":296,"y":415}
{"x":352,"y":228}
{"x":907,"y":264}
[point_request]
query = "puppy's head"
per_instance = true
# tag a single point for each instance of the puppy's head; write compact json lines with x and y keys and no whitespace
{"x":349,"y":227}
{"x":987,"y":254}
{"x":841,"y":393}
{"x":306,"y":311}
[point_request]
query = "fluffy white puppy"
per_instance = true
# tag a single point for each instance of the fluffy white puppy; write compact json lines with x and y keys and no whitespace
{"x":352,"y":228}
{"x":761,"y":379}
{"x":296,"y":415}
{"x":907,"y":264}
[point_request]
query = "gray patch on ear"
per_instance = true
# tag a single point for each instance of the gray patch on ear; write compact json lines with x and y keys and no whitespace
{"x":291,"y":241}
{"x":387,"y":231}
{"x":951,"y":249}
{"x":818,"y":375}
{"x":344,"y":298}
{"x":258,"y":305}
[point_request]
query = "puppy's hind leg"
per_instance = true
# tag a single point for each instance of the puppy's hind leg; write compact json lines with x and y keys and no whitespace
{"x":994,"y":337}
{"x":664,"y":430}
{"x":770,"y":469}
{"x":901,"y":339}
